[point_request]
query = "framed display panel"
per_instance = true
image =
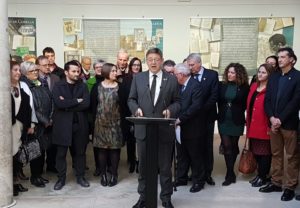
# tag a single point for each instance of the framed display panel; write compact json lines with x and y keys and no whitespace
{"x":22,"y":36}
{"x":245,"y":40}
{"x":103,"y":38}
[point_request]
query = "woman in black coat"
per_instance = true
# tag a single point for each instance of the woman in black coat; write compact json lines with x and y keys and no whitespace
{"x":134,"y":67}
{"x":233,"y":92}
{"x":43,"y":107}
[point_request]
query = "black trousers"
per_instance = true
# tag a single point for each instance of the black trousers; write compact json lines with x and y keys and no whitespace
{"x":51,"y":156}
{"x":208,"y":150}
{"x":78,"y":156}
{"x":165,"y":153}
{"x":189,"y":155}
{"x":37,"y":165}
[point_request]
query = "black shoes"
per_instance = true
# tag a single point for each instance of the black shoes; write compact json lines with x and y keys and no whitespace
{"x":229,"y":181}
{"x":180,"y":183}
{"x":140,"y":204}
{"x":167,"y":204}
{"x":113,"y":181}
{"x":254,"y":179}
{"x":103,"y":180}
{"x":20,"y":188}
{"x":270,"y":188}
{"x":288,"y":195}
{"x":36,"y":181}
{"x":210,"y":181}
{"x":44,"y":180}
{"x":59,"y":184}
{"x":196,"y":187}
{"x":259,"y":182}
{"x":297,"y":197}
{"x":83,"y":182}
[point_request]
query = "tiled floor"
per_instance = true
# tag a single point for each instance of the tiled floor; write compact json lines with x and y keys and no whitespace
{"x":124,"y":195}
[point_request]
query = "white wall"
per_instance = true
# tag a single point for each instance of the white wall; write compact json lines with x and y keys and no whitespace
{"x":49,"y":15}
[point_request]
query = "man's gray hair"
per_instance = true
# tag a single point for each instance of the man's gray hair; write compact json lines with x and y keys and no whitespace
{"x":194,"y":56}
{"x":183,"y":69}
{"x":98,"y":61}
{"x":26,"y":66}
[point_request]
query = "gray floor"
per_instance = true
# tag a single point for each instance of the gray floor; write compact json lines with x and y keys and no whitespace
{"x":124,"y":195}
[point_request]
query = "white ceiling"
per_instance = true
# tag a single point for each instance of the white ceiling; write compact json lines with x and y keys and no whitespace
{"x":156,"y":2}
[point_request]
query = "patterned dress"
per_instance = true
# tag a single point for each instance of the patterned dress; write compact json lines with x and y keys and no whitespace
{"x":107,"y":132}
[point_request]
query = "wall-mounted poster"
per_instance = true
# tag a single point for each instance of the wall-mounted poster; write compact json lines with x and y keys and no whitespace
{"x":22,"y":36}
{"x":245,"y":40}
{"x":103,"y":38}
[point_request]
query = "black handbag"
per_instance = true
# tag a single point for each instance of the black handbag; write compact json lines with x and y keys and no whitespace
{"x":29,"y":149}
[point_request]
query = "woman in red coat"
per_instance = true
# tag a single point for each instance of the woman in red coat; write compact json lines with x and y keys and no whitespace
{"x":257,"y":125}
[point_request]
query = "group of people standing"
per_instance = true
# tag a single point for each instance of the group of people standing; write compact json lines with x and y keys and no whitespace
{"x":68,"y":105}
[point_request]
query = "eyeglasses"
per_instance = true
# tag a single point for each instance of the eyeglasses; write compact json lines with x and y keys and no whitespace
{"x":45,"y":65}
{"x":136,"y":65}
{"x":33,"y":71}
{"x":153,"y":60}
{"x":16,"y":92}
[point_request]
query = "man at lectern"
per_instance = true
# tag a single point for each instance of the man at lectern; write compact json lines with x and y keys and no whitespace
{"x":155,"y":94}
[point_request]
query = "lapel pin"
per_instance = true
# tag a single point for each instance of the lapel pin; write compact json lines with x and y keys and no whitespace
{"x":165,"y":79}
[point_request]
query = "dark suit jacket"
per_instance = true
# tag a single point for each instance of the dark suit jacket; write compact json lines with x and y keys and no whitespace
{"x":209,"y":85}
{"x":65,"y":109}
{"x":191,"y":104}
{"x":289,"y":102}
{"x":238,"y":105}
{"x":24,"y":113}
{"x":169,"y":98}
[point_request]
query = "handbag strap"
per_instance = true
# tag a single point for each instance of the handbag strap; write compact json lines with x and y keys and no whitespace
{"x":245,"y":143}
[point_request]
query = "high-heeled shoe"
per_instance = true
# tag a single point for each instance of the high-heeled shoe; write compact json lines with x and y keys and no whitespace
{"x":113,"y":181}
{"x":103,"y":180}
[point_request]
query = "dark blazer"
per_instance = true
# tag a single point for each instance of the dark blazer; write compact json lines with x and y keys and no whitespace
{"x":238,"y":105}
{"x":289,"y":103}
{"x":24,"y":114}
{"x":65,"y":109}
{"x":191,"y":104}
{"x":53,"y":80}
{"x":169,"y":98}
{"x":209,"y":84}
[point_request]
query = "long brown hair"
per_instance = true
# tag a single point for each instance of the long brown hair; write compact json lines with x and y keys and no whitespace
{"x":241,"y":74}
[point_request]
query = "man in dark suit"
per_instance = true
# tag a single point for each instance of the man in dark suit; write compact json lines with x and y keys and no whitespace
{"x":70,"y":123}
{"x":155,"y":93}
{"x":282,"y":104}
{"x":209,"y":82}
{"x":48,"y":80}
{"x":190,"y":121}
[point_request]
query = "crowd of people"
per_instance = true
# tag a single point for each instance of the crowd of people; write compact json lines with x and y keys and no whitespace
{"x":89,"y":102}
